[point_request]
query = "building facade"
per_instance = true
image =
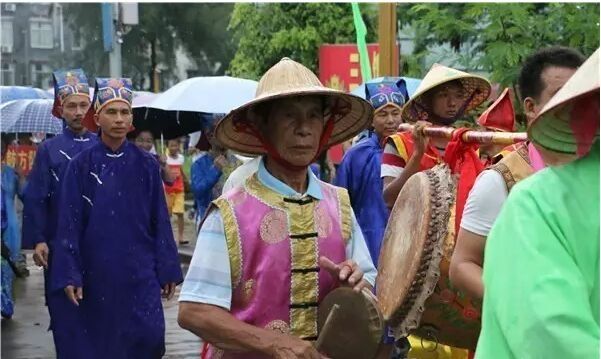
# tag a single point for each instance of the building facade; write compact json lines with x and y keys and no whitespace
{"x":34,"y":36}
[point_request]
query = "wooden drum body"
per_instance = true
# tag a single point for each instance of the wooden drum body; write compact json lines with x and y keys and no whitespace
{"x":413,"y":288}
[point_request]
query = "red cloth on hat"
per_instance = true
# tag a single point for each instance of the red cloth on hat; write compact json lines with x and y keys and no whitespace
{"x":500,"y":115}
{"x":584,"y":121}
{"x":463,"y":160}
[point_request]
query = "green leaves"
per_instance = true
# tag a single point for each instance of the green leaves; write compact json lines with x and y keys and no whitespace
{"x":270,"y":31}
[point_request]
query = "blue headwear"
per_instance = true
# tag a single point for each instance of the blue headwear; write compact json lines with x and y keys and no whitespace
{"x":108,"y":90}
{"x":387,"y":92}
{"x":67,"y":83}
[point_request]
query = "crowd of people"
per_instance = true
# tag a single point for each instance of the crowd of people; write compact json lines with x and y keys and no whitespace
{"x":276,"y":233}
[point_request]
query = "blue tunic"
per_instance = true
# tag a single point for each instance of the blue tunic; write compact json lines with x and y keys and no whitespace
{"x":10,"y":188}
{"x":359,"y":173}
{"x":114,"y":239}
{"x":40,"y":209}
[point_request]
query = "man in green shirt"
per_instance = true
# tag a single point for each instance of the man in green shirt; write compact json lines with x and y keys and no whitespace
{"x":541,"y":272}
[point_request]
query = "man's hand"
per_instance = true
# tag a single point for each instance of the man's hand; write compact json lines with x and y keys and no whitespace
{"x":168,"y":290}
{"x":419,"y":139}
{"x":74,"y":294}
{"x":289,"y":347}
{"x":40,"y":255}
{"x":347,"y":272}
{"x":220,"y":161}
{"x":163,"y":160}
{"x":19,"y":170}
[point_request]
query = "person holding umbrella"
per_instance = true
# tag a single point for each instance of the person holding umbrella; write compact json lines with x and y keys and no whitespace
{"x":41,"y":210}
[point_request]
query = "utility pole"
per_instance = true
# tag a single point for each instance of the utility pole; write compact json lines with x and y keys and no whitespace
{"x":387,"y":39}
{"x":115,"y":54}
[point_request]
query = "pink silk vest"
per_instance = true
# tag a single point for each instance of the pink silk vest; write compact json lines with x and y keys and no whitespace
{"x":274,"y":245}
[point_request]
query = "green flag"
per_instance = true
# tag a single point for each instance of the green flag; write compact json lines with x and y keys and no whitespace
{"x":361,"y":31}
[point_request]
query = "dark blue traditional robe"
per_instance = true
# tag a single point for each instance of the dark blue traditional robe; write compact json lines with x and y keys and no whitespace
{"x":115,"y":240}
{"x":359,"y":173}
{"x":41,"y":209}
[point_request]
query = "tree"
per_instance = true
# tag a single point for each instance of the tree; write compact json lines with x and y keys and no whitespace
{"x":163,"y":29}
{"x":501,"y":34}
{"x":264,"y":33}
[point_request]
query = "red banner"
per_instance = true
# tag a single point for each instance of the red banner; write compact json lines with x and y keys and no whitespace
{"x":21,"y":155}
{"x":339,"y":68}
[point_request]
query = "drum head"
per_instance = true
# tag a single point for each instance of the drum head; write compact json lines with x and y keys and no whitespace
{"x":355,"y":331}
{"x":408,"y":268}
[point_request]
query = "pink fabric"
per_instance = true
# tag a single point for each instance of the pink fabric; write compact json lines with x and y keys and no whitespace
{"x":536,"y":161}
{"x":268,"y":264}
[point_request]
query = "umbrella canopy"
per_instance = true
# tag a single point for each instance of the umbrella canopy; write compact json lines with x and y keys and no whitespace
{"x":179,"y":110}
{"x":411,"y":83}
{"x":143,"y":98}
{"x":25,"y":116}
{"x":10,"y":93}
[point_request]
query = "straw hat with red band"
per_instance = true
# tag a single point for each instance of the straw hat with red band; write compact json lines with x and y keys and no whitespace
{"x":68,"y":83}
{"x":477,"y":91}
{"x":108,"y":90}
{"x":346,"y":115}
{"x":569,"y":122}
{"x":500,"y":116}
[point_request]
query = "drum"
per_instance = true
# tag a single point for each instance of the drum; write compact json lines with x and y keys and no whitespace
{"x":413,"y":288}
{"x":350,"y":325}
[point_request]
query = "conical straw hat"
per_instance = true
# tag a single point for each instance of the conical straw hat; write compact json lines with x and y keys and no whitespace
{"x":475,"y":86}
{"x":569,"y":122}
{"x":351,"y":114}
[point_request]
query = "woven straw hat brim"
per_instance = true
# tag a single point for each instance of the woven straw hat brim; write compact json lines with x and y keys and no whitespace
{"x":577,"y":100}
{"x":358,"y":118}
{"x":470,"y":83}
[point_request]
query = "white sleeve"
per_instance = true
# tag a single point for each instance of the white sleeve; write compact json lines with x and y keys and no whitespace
{"x":484,"y":203}
{"x":208,"y":279}
{"x":356,"y":249}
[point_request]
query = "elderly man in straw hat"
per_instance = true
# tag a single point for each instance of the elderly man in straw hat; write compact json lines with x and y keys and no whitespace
{"x":444,"y":95}
{"x":270,"y":250}
{"x":541,"y":272}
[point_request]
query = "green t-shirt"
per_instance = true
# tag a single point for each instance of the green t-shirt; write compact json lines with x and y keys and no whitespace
{"x":541,"y":267}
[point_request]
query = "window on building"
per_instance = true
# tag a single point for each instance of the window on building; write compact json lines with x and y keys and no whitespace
{"x":7,"y":35}
{"x":41,"y":75}
{"x":76,"y":40}
{"x":41,"y":34}
{"x":8,"y":74}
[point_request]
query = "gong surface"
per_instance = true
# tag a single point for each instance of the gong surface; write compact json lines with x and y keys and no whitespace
{"x":355,"y":331}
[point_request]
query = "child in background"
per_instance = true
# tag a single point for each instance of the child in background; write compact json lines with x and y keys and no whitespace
{"x":175,"y":191}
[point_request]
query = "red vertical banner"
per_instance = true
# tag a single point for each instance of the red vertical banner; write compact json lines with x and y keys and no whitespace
{"x":339,"y":68}
{"x":22,"y":155}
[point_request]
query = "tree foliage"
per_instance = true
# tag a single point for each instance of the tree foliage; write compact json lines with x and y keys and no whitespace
{"x":264,"y":33}
{"x":498,"y":36}
{"x":162,"y":29}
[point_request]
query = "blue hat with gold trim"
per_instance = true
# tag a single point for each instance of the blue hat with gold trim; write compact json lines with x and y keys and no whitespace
{"x":68,"y":83}
{"x":108,"y":90}
{"x":387,"y":92}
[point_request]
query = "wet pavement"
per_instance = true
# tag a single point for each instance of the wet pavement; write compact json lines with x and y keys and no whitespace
{"x":25,"y":336}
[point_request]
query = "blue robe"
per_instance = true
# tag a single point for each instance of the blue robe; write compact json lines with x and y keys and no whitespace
{"x":41,"y":209}
{"x":359,"y":173}
{"x":43,"y":182}
{"x":114,"y":239}
{"x":6,"y":273}
{"x":11,"y":190}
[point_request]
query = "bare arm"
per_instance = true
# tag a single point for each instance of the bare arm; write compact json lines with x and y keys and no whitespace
{"x":393,"y":185}
{"x":218,"y":327}
{"x":465,"y":271}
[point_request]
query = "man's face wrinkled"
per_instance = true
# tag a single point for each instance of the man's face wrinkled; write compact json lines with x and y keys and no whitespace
{"x":294,"y":128}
